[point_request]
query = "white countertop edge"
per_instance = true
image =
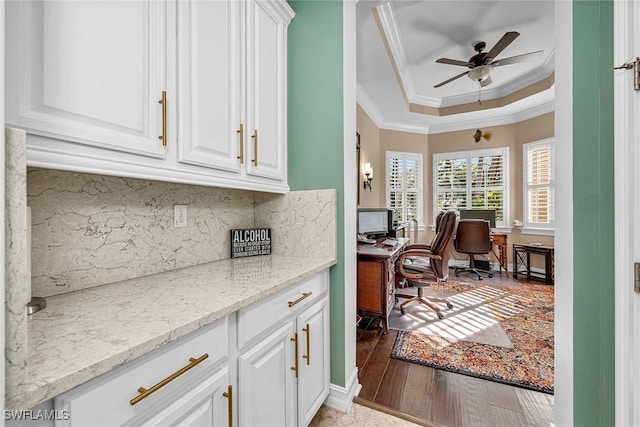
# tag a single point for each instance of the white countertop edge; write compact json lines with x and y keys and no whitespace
{"x":38,"y":391}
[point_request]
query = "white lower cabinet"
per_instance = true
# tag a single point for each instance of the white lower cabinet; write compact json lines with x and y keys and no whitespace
{"x":283,"y":377}
{"x":204,"y":405}
{"x":313,"y":367}
{"x":266,"y":382}
{"x":265,"y":365}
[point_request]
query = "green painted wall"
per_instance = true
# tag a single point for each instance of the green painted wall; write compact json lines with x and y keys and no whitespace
{"x":315,"y":116}
{"x":593,"y":227}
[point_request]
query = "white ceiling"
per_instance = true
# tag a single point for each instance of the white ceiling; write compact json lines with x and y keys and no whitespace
{"x":419,"y":32}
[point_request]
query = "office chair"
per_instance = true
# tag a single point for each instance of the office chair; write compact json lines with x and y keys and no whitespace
{"x":412,"y":266}
{"x":473,"y":238}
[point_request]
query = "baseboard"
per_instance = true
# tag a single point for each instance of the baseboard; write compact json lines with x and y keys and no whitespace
{"x":341,"y":398}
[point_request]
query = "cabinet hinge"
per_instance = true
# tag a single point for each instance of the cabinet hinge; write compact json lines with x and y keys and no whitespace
{"x":635,"y":65}
{"x":636,"y":277}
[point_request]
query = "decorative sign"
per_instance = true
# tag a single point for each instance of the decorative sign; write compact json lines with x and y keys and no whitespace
{"x":250,"y":242}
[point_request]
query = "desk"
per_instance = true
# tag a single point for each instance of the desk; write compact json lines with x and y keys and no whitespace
{"x":522,"y":258}
{"x":500,"y":240}
{"x":376,"y":279}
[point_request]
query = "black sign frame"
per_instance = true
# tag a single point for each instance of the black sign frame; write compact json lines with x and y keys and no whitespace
{"x":247,"y":242}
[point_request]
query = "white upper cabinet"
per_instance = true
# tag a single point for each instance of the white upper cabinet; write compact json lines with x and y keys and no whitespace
{"x":88,"y":72}
{"x":266,"y":88}
{"x":209,"y":76}
{"x":85,"y":78}
{"x":232,"y":86}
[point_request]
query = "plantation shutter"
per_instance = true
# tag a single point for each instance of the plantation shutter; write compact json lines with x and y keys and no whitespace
{"x":471,"y":180}
{"x":404,"y":185}
{"x":539,"y":184}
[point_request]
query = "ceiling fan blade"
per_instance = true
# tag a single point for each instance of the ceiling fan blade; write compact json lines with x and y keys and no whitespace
{"x":452,"y":62}
{"x":486,"y":82}
{"x":505,"y":41}
{"x":451,"y":79}
{"x":518,"y":58}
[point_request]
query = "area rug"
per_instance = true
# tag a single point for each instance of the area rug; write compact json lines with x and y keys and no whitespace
{"x":525,"y":314}
{"x":470,"y":319}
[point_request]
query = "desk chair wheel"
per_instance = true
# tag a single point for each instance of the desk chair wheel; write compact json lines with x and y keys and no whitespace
{"x":490,"y":275}
{"x":440,"y":315}
{"x":449,"y":305}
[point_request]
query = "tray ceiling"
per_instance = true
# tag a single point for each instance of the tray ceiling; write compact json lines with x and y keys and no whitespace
{"x":398,"y":43}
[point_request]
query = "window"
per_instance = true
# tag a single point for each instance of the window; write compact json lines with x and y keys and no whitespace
{"x":472,"y":180}
{"x":404,"y":185}
{"x":539,"y":182}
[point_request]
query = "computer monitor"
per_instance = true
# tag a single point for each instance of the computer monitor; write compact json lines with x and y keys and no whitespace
{"x":487,"y":214}
{"x":373,"y":221}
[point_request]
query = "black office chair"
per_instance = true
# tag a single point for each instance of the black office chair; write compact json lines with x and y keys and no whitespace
{"x":424,"y":267}
{"x":473,"y":238}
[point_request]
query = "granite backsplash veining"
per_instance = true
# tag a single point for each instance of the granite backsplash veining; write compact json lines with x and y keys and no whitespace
{"x":16,"y":265}
{"x":90,"y":230}
{"x":301,"y":222}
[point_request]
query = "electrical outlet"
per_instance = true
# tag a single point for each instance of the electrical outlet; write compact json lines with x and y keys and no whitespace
{"x":179,"y":215}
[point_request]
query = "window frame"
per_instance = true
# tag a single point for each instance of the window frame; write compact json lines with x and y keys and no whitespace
{"x":418,"y":157}
{"x":504,"y":225}
{"x":528,"y":227}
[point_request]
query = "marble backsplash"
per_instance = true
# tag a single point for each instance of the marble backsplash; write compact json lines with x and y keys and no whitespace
{"x":90,"y":230}
{"x":303,"y":223}
{"x":16,"y":280}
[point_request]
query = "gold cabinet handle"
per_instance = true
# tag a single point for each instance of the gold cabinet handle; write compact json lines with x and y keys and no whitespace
{"x":304,"y":295}
{"x":294,"y":368}
{"x":229,"y":395}
{"x":308,"y":355}
{"x":163,"y":101}
{"x":255,"y":147}
{"x":144,"y":393}
{"x":241,"y":133}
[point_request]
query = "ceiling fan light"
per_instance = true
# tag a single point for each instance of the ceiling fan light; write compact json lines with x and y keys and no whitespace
{"x":480,"y":73}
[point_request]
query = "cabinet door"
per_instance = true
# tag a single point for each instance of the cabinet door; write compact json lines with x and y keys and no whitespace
{"x":203,"y":405}
{"x":266,"y":90}
{"x":313,"y":380}
{"x":209,"y":76}
{"x":266,"y":381}
{"x":90,"y":72}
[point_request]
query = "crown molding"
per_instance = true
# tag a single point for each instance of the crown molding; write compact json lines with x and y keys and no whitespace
{"x":391,"y":38}
{"x":378,"y":119}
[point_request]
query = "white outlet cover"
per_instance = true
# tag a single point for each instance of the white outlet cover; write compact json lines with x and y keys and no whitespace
{"x":179,"y":215}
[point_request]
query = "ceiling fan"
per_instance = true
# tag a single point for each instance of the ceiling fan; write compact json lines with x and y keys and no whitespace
{"x":481,"y":64}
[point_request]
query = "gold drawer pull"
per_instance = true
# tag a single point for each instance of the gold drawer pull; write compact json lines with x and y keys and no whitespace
{"x":241,"y":133}
{"x":294,"y":368}
{"x":163,"y":101}
{"x":307,"y":356}
{"x":229,"y":395}
{"x":255,"y":147}
{"x":144,"y":393}
{"x":304,"y":295}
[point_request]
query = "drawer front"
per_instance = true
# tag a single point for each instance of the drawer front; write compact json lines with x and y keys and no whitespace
{"x":106,"y":399}
{"x":261,"y":316}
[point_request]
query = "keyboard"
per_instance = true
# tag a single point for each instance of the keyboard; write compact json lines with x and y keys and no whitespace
{"x":362,"y":239}
{"x":389,"y":242}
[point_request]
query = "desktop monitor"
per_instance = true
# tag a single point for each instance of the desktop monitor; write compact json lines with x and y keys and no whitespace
{"x":486,"y":214}
{"x":373,"y":221}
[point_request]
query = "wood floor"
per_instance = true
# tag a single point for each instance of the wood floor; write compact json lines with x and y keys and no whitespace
{"x":441,"y":397}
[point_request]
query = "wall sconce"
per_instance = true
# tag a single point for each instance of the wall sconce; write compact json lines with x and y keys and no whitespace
{"x":368,"y":172}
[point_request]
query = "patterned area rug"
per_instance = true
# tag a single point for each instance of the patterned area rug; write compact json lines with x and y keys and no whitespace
{"x":526,"y":314}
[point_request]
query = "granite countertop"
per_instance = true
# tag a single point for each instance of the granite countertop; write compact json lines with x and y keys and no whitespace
{"x":81,"y":335}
